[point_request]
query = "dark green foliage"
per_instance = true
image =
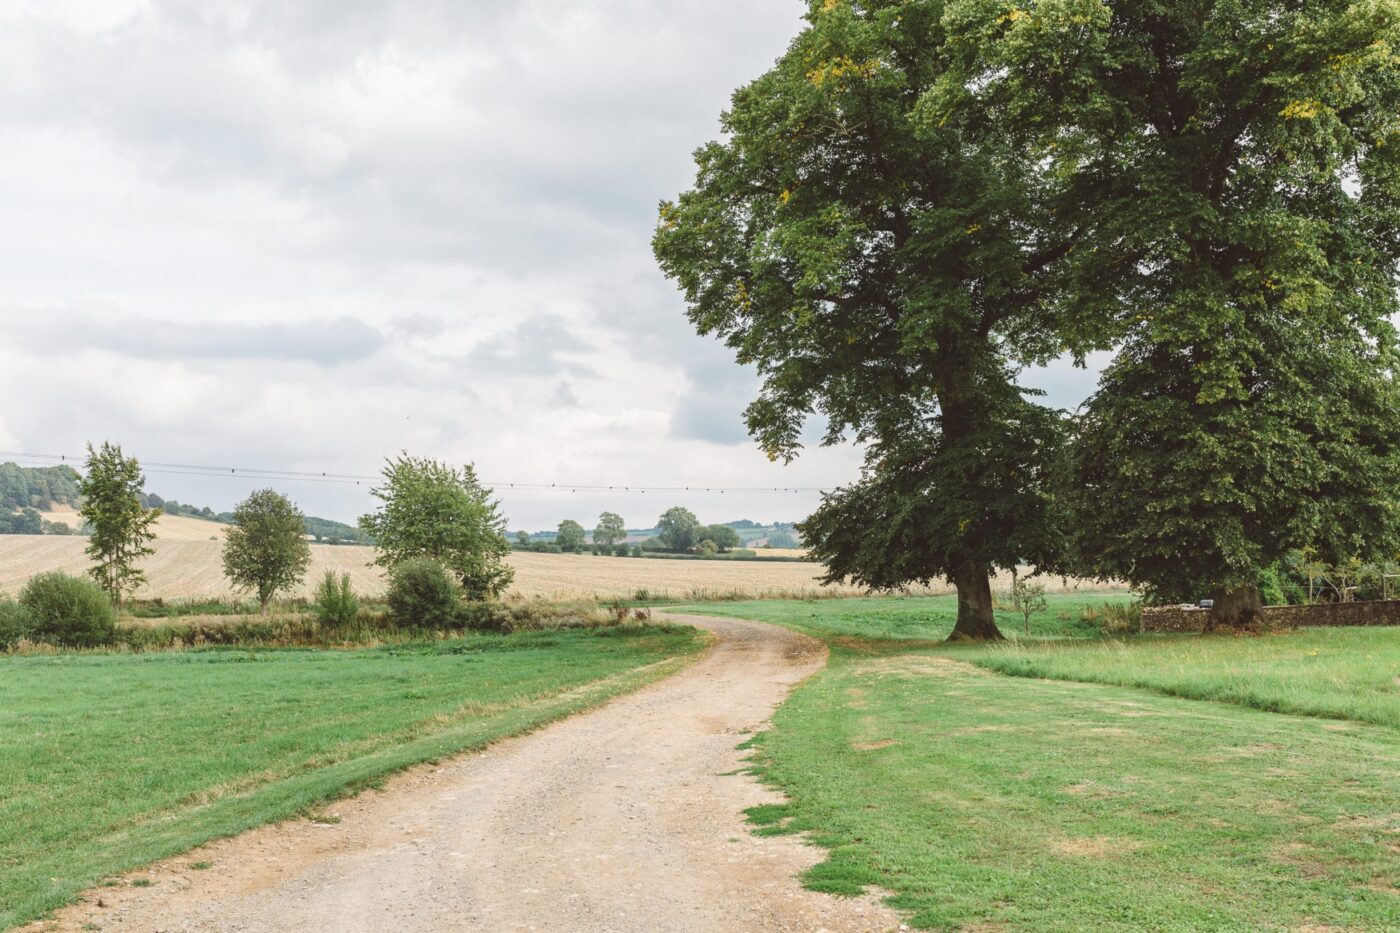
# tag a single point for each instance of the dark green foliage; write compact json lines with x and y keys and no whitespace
{"x":422,"y":594}
{"x":14,"y":623}
{"x":69,"y":611}
{"x":335,"y":603}
{"x":677,"y":529}
{"x":112,"y":487}
{"x":37,"y":487}
{"x":925,"y":503}
{"x":724,"y":537}
{"x":438,"y":511}
{"x":26,"y":521}
{"x":571,"y":536}
{"x":885,"y":270}
{"x":1231,"y":173}
{"x":266,"y":551}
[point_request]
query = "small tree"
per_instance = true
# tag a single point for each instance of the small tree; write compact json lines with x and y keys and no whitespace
{"x":336,"y":603}
{"x":723,"y":537}
{"x":266,"y":550}
{"x":571,"y":536}
{"x":522,"y":539}
{"x":1029,"y":599}
{"x":438,"y":511}
{"x":421,"y":595}
{"x":121,"y":527}
{"x":611,"y":530}
{"x":678,"y":529}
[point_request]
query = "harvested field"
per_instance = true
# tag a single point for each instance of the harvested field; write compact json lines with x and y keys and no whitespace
{"x":182,"y":569}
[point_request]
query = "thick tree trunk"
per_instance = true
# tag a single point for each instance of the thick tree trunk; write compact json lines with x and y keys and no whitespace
{"x":1236,"y":607}
{"x":975,"y":619}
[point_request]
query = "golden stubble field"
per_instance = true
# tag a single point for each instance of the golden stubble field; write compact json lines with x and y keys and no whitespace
{"x":189,"y":567}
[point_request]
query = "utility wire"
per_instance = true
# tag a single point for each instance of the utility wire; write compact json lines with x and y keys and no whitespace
{"x":352,"y":479}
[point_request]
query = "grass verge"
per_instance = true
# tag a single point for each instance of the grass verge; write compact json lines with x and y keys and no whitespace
{"x":1345,"y":673}
{"x":984,"y":801}
{"x":110,"y":762}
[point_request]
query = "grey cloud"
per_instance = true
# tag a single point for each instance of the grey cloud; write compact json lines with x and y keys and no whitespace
{"x":564,"y":397}
{"x":701,"y":416}
{"x":324,"y":343}
{"x":540,"y":345}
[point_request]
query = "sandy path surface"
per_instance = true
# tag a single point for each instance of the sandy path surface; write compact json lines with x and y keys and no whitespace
{"x":629,"y":817}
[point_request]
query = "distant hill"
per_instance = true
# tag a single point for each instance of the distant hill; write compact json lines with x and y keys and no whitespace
{"x":43,"y":501}
{"x":324,"y":530}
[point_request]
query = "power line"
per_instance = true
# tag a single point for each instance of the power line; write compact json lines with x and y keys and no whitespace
{"x":353,"y":479}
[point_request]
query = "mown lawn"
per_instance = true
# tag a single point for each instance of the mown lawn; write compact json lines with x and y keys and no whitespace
{"x":987,"y":801}
{"x":109,"y":761}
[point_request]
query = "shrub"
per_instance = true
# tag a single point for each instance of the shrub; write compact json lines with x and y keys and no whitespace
{"x":14,"y":623}
{"x":422,"y":595}
{"x":335,"y":603}
{"x":69,"y":611}
{"x":622,"y":550}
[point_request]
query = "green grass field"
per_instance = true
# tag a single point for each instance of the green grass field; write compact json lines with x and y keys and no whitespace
{"x":111,"y":761}
{"x":986,"y":801}
{"x":1351,"y":673}
{"x":898,"y":618}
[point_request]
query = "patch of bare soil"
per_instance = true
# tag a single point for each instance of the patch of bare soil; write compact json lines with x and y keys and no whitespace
{"x":1096,"y":846}
{"x":626,"y":818}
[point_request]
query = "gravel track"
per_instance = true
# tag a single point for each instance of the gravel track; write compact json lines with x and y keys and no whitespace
{"x":626,"y":818}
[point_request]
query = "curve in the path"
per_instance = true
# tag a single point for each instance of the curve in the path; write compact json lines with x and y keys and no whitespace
{"x":629,"y":817}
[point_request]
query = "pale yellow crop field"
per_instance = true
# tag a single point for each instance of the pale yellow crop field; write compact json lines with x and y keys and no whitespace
{"x":191,"y":567}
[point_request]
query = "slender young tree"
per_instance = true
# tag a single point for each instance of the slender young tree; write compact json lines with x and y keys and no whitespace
{"x":1239,"y":166}
{"x":111,"y":491}
{"x":266,"y":549}
{"x":889,"y":268}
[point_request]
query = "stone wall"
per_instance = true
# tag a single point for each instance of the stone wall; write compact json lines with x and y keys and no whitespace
{"x":1190,"y":619}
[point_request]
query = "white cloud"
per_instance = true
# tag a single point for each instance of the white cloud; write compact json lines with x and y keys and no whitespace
{"x":309,"y":235}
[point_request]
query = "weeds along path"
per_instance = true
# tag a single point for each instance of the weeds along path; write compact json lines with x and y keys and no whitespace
{"x":626,"y":818}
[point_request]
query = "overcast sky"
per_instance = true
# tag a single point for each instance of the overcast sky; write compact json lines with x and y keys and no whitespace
{"x":304,"y":235}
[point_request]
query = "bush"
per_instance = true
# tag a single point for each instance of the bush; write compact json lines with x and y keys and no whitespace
{"x":622,"y":550}
{"x":335,"y":603}
{"x":422,"y":595}
{"x":14,"y":623}
{"x":69,"y":611}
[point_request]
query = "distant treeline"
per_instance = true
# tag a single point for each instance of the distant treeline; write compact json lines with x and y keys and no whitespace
{"x":325,"y":530}
{"x":27,"y":491}
{"x":37,"y":487}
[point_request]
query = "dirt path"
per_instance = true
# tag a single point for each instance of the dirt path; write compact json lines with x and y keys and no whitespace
{"x":625,"y":818}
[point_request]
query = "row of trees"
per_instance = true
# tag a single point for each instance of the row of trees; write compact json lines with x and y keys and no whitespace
{"x":924,"y":197}
{"x":677,"y":530}
{"x":429,"y":511}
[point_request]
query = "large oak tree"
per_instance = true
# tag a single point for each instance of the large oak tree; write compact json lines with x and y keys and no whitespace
{"x":889,"y":269}
{"x":1240,"y":163}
